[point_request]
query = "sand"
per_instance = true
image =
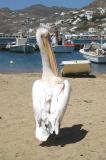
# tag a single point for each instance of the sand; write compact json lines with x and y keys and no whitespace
{"x":83,"y":129}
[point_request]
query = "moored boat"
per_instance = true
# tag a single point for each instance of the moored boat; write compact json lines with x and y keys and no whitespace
{"x":75,"y":45}
{"x":21,"y":46}
{"x":96,"y":55}
{"x":63,"y":49}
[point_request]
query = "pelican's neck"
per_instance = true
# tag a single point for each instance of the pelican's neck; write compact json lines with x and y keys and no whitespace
{"x":46,"y":68}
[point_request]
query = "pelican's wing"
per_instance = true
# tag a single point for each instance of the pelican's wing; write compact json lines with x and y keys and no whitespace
{"x":41,"y":97}
{"x":59,"y":103}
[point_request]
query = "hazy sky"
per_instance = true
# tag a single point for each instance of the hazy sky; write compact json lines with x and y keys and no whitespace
{"x":19,"y":4}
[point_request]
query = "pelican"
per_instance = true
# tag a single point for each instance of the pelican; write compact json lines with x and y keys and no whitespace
{"x":50,"y":94}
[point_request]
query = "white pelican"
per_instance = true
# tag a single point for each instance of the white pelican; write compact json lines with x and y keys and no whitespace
{"x":50,"y":94}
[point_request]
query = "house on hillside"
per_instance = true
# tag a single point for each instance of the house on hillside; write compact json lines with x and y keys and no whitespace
{"x":101,"y":11}
{"x":88,"y":15}
{"x":76,"y":21}
{"x":92,"y":30}
{"x":58,"y":22}
{"x":62,"y":13}
{"x":73,"y":28}
{"x":105,"y":31}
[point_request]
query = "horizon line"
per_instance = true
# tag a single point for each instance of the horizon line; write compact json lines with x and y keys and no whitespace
{"x":40,"y":5}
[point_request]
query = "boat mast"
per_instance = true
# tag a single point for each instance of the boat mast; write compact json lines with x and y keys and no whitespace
{"x":101,"y":41}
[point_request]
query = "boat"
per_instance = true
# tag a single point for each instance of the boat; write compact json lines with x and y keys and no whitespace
{"x":76,"y":67}
{"x":59,"y":46}
{"x":63,"y":49}
{"x":65,"y":46}
{"x":97,"y":45}
{"x":104,"y":46}
{"x":75,"y":45}
{"x":21,"y":45}
{"x":96,"y":55}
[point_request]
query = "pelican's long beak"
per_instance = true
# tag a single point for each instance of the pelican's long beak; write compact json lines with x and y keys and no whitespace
{"x":51,"y":55}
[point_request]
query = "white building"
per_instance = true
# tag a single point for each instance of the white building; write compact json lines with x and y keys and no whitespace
{"x":76,"y":21}
{"x":62,"y":14}
{"x":88,"y":15}
{"x":105,"y":31}
{"x":68,"y":21}
{"x":92,"y":30}
{"x":101,"y":11}
{"x":75,"y":12}
{"x":58,"y":22}
{"x":73,"y":29}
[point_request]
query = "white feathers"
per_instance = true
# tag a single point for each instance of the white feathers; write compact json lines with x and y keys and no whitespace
{"x":50,"y":96}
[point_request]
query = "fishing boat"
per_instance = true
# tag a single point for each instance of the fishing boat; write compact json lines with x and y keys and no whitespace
{"x":21,"y":45}
{"x":58,"y":44}
{"x":76,"y":67}
{"x":96,"y":55}
{"x":75,"y":45}
{"x":63,"y":49}
{"x":104,"y":46}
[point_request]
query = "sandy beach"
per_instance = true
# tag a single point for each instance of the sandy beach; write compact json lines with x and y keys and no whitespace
{"x":83,"y":129}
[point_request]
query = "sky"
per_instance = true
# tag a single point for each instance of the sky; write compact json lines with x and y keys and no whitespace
{"x":20,"y":4}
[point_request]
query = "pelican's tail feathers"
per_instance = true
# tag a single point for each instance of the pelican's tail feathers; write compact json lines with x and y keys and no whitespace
{"x":45,"y":126}
{"x":42,"y":134}
{"x":42,"y":131}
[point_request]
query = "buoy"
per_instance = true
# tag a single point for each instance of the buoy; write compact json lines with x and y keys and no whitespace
{"x":11,"y":62}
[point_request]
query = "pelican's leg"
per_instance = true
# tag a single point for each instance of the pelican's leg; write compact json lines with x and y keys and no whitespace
{"x":57,"y":126}
{"x":52,"y":120}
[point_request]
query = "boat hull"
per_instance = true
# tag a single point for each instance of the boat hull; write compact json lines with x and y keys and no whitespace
{"x":63,"y":49}
{"x":22,"y":49}
{"x":93,"y":58}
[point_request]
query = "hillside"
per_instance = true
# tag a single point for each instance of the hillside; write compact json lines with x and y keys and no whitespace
{"x":96,"y":4}
{"x":64,"y":18}
{"x":13,"y":21}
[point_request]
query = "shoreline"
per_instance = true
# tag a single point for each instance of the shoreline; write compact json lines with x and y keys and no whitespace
{"x":95,"y":75}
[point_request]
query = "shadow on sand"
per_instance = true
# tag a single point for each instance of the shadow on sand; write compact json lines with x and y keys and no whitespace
{"x":80,"y":76}
{"x":67,"y":135}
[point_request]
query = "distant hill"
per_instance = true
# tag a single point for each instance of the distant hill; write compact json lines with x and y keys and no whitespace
{"x":5,"y":11}
{"x":42,"y":10}
{"x":96,"y":4}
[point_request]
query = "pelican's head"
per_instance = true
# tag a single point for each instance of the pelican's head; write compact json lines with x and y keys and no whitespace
{"x":43,"y":32}
{"x":48,"y":59}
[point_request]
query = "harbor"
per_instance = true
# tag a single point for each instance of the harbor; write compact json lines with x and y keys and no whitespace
{"x":26,"y":63}
{"x":19,"y":59}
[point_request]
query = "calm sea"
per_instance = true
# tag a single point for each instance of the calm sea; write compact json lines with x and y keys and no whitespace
{"x":23,"y":63}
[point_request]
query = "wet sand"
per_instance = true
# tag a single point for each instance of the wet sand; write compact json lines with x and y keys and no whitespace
{"x":83,"y":129}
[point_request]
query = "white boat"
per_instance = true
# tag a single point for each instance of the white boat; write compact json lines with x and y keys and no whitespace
{"x":59,"y":45}
{"x":63,"y":49}
{"x":97,"y":45}
{"x":96,"y":55}
{"x":76,"y":67}
{"x":104,"y":46}
{"x":21,"y":46}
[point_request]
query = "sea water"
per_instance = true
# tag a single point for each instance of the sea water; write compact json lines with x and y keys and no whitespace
{"x":29,"y":63}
